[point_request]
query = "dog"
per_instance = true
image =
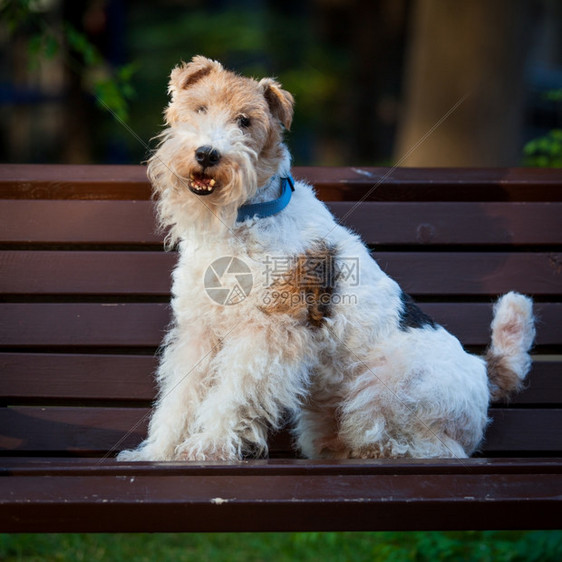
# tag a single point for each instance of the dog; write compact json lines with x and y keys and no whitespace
{"x":280,"y":313}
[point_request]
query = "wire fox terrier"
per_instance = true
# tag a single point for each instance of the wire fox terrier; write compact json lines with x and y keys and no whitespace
{"x":280,"y":312}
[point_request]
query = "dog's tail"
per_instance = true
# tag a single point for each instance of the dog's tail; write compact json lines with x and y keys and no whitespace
{"x":513,"y":331}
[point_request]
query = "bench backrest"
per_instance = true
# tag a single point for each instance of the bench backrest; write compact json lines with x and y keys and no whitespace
{"x":84,"y":290}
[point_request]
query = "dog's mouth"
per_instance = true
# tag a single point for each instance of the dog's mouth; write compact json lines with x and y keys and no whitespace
{"x":201,"y":184}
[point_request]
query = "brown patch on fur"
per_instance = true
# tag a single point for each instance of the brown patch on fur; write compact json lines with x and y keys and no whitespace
{"x":305,"y":291}
{"x":280,"y":101}
{"x":503,"y":381}
{"x":187,"y":74}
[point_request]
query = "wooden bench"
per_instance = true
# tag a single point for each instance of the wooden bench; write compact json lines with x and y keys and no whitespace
{"x":84,"y":306}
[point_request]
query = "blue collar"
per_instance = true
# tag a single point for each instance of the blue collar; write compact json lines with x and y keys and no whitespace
{"x":268,"y":208}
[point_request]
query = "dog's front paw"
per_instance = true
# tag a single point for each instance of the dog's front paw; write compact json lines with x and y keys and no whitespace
{"x":143,"y":453}
{"x":131,"y":455}
{"x":201,"y":447}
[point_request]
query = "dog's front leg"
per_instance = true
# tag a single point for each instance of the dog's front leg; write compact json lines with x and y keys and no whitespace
{"x":182,"y":377}
{"x":260,"y":375}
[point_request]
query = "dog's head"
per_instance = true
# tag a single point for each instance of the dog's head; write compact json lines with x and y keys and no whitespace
{"x":223,"y":140}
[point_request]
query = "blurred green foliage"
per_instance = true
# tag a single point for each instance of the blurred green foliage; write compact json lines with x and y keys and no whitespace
{"x":546,"y":151}
{"x":484,"y":546}
{"x":111,"y":87}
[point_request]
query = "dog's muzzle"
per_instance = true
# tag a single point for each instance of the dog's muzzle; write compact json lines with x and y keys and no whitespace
{"x":201,"y":183}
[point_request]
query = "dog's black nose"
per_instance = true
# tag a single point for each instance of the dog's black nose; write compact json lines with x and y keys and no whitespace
{"x":207,"y":156}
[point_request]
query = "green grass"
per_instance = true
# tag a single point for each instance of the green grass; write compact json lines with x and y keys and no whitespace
{"x":540,"y":546}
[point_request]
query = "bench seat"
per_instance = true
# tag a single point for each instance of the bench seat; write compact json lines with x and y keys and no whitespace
{"x":84,"y":293}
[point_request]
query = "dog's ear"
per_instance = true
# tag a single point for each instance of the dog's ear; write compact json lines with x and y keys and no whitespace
{"x":280,"y":101}
{"x":186,"y":74}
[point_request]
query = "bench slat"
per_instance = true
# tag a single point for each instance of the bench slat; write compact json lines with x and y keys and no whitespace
{"x":84,"y":466}
{"x":474,"y":273}
{"x":144,"y":324}
{"x":279,"y":501}
{"x":71,"y":181}
{"x":148,"y":273}
{"x":402,"y":223}
{"x":90,"y":325}
{"x":78,"y":222}
{"x":86,"y":430}
{"x":41,"y":181}
{"x":79,"y":273}
{"x":56,"y":376}
{"x":76,"y":376}
{"x":538,"y":429}
{"x":449,"y":224}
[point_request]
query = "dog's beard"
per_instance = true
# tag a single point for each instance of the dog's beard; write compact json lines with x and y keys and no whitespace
{"x":180,"y":210}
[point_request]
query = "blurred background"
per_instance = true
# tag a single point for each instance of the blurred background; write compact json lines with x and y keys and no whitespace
{"x":376,"y":82}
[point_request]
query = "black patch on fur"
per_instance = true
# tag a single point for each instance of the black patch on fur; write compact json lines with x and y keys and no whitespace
{"x":411,"y":316}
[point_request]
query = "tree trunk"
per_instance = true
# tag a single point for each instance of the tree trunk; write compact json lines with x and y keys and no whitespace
{"x":464,"y":88}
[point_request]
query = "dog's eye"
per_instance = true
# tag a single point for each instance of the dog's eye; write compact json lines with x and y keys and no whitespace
{"x":244,"y":121}
{"x":201,"y":109}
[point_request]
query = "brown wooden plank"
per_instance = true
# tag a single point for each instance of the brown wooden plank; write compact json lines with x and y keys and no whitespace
{"x":278,"y":501}
{"x":148,"y":273}
{"x":543,"y":385}
{"x":88,"y":430}
{"x":73,"y":430}
{"x":56,"y":376}
{"x":86,"y":273}
{"x":144,"y":324}
{"x":54,"y":181}
{"x":78,"y":222}
{"x":474,"y":273}
{"x":92,"y":325}
{"x":109,"y":466}
{"x":438,"y":223}
{"x":403,"y":223}
{"x":63,"y":377}
{"x":333,"y":183}
{"x":445,"y":177}
{"x":524,"y":429}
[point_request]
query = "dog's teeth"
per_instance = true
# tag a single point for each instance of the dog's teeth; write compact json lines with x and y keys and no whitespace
{"x":212,"y":183}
